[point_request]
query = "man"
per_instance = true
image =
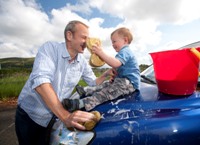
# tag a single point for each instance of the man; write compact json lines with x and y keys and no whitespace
{"x":57,"y":69}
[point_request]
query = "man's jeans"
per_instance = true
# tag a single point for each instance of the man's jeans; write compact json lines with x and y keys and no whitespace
{"x":28,"y":132}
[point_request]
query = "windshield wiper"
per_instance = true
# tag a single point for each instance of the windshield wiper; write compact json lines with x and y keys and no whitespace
{"x":146,"y":78}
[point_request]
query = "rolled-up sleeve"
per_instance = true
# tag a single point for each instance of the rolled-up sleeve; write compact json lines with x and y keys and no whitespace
{"x":44,"y":66}
{"x":38,"y":81}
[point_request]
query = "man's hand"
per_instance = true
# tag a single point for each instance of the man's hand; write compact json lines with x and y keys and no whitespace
{"x":111,"y":73}
{"x":78,"y":118}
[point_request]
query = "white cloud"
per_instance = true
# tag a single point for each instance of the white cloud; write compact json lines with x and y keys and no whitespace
{"x":189,"y":11}
{"x":25,"y":26}
{"x":22,"y":26}
{"x":81,"y":6}
{"x":8,"y":48}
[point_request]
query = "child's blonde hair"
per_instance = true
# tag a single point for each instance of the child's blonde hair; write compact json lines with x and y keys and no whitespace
{"x":125,"y":32}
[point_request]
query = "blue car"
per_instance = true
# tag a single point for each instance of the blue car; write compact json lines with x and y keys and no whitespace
{"x":148,"y":117}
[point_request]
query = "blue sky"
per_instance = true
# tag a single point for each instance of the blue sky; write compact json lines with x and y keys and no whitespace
{"x":156,"y":25}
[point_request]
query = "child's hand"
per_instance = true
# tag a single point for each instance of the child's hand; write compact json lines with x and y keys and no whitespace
{"x":96,"y":49}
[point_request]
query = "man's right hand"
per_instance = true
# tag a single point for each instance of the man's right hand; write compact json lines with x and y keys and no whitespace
{"x":78,"y":118}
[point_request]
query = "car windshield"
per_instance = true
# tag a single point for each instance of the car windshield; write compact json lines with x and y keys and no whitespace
{"x":148,"y":75}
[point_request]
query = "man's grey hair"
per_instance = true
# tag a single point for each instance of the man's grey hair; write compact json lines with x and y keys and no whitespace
{"x":71,"y":26}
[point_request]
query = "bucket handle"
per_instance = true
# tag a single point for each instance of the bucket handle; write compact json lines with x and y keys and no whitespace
{"x":196,"y":53}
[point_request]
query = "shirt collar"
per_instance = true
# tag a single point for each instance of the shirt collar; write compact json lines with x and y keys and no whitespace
{"x":125,"y":46}
{"x":66,"y":55}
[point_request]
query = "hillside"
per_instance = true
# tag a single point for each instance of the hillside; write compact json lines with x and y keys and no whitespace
{"x":15,"y":62}
{"x":27,"y":63}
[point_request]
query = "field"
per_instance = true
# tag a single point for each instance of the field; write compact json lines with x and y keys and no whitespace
{"x":15,"y":71}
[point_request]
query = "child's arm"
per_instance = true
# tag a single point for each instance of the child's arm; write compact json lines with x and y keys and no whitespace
{"x":110,"y":60}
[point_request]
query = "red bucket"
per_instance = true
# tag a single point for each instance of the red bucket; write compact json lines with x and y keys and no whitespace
{"x":176,"y":71}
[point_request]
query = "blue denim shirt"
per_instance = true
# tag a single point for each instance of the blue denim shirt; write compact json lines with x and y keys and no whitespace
{"x":52,"y":65}
{"x":129,"y":68}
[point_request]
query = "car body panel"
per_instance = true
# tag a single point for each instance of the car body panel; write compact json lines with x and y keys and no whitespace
{"x":165,"y":121}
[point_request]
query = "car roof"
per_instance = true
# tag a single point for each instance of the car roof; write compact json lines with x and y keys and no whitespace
{"x":195,"y":44}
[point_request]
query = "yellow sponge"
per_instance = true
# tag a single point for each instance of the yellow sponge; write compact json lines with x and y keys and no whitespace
{"x":91,"y":124}
{"x":95,"y":60}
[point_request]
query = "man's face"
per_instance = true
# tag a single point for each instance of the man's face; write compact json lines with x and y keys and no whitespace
{"x":78,"y":41}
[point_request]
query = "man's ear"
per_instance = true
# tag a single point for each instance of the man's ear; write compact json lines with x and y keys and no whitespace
{"x":69,"y":35}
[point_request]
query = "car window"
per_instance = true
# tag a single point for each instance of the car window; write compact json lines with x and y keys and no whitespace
{"x":148,"y":74}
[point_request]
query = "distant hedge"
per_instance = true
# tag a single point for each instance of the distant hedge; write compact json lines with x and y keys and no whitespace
{"x":14,"y":62}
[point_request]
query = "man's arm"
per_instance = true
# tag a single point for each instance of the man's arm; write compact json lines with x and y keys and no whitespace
{"x":49,"y":96}
{"x":110,"y":60}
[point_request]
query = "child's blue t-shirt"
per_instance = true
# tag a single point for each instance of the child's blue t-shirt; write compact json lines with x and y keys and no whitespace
{"x":129,"y":68}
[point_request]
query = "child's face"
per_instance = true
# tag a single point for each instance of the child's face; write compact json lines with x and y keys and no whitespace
{"x":118,"y":41}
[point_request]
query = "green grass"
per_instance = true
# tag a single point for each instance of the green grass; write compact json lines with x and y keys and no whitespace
{"x":11,"y":86}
